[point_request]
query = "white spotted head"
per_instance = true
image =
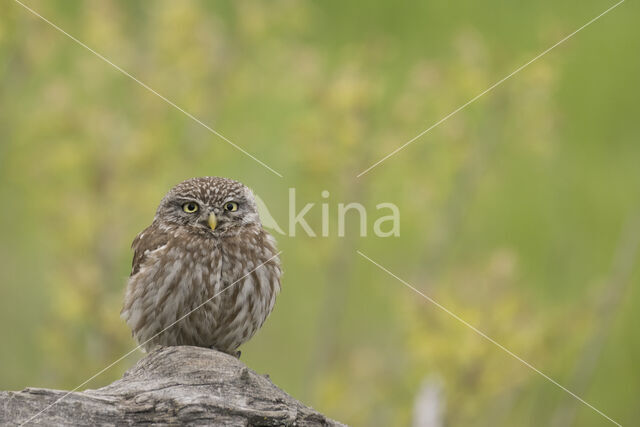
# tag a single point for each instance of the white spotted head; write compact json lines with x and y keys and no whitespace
{"x":212,"y":204}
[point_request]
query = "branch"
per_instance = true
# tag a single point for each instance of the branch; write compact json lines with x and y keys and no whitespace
{"x":172,"y":385}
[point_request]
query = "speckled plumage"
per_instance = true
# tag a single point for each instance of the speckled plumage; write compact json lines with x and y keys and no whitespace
{"x":180,"y":262}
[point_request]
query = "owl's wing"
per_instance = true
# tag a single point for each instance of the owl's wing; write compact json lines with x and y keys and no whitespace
{"x":151,"y":239}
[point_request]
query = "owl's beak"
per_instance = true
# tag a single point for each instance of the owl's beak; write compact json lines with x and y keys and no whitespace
{"x":212,"y":221}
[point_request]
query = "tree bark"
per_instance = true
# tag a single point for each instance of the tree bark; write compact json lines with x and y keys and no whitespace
{"x":170,"y":386}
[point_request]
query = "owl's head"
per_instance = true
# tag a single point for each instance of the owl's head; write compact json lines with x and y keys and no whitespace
{"x":209,"y":204}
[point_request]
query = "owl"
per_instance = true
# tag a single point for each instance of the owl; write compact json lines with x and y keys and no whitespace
{"x":206,"y":252}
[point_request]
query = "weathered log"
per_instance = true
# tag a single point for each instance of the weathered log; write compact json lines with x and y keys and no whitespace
{"x":170,"y":386}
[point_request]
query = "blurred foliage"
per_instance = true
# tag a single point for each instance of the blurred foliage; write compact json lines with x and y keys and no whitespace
{"x":512,"y":210}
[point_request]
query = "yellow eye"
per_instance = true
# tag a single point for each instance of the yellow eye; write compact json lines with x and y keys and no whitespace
{"x":190,"y":207}
{"x":231,"y":206}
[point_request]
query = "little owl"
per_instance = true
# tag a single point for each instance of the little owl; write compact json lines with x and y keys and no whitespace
{"x":206,"y":239}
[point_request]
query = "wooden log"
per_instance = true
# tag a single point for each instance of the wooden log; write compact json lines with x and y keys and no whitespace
{"x":170,"y":386}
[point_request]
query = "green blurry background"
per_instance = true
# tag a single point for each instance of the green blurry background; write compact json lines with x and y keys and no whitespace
{"x":521,"y":213}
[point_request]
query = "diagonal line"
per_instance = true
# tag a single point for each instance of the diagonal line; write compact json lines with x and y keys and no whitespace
{"x":144,"y":85}
{"x":142,"y":344}
{"x":485,"y":336}
{"x":498,"y":83}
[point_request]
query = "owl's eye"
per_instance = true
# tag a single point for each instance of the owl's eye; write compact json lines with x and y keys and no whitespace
{"x":231,"y":206}
{"x":190,"y":207}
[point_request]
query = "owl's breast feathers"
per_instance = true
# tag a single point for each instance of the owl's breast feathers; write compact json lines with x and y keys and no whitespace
{"x":221,"y":288}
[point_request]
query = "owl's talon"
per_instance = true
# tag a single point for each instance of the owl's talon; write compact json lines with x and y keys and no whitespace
{"x":237,"y":354}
